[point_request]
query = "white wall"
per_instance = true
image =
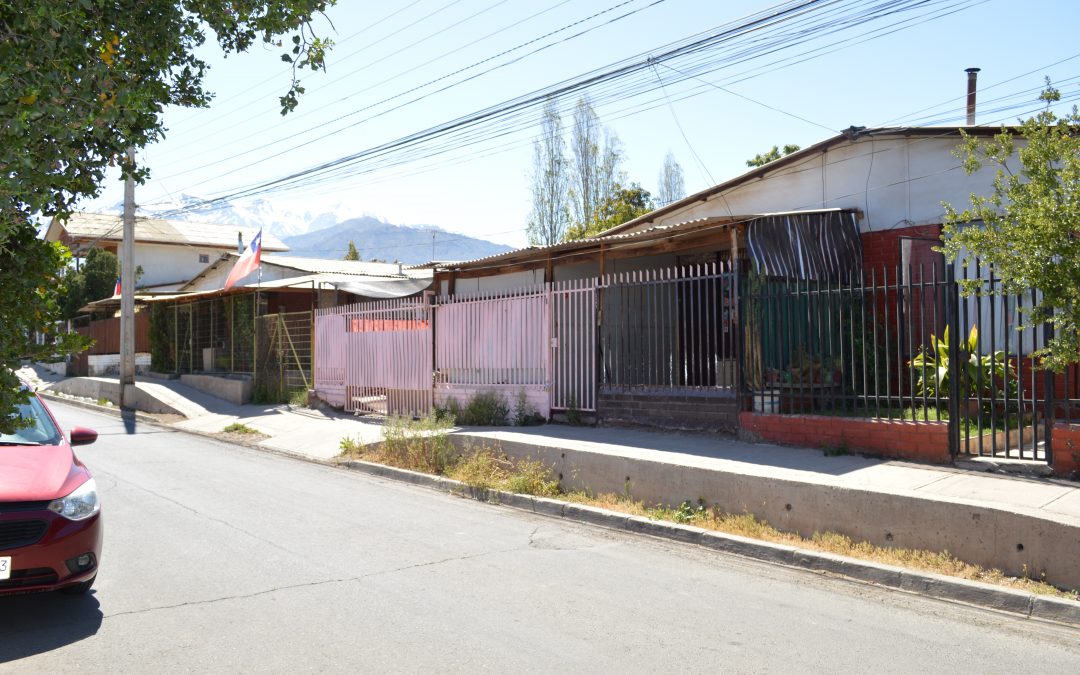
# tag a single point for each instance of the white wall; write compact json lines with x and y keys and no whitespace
{"x":168,"y":264}
{"x":503,"y":282}
{"x":895,"y":181}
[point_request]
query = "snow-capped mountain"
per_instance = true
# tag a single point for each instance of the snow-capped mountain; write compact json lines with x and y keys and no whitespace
{"x":326,"y":232}
{"x":273,"y":217}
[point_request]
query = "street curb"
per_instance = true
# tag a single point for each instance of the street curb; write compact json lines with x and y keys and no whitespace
{"x":926,"y":584}
{"x":973,"y":593}
{"x":113,"y":410}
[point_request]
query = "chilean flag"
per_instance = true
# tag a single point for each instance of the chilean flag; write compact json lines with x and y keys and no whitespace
{"x":248,"y":263}
{"x":117,"y":291}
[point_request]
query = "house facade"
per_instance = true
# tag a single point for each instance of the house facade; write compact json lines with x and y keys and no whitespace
{"x":169,"y":252}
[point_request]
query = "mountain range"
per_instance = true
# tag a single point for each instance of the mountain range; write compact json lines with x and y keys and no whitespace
{"x":326,"y":232}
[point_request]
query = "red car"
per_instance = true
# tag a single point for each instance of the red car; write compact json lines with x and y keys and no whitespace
{"x":50,"y":516}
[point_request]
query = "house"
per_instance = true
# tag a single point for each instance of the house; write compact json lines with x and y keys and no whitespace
{"x":259,"y":334}
{"x":168,"y":252}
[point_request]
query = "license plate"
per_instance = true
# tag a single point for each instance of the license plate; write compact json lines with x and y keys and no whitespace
{"x":5,"y":567}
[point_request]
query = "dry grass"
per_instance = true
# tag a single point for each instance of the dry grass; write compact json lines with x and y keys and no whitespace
{"x":424,"y":446}
{"x":747,"y":525}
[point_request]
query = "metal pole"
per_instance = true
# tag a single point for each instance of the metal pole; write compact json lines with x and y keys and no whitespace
{"x":127,"y":287}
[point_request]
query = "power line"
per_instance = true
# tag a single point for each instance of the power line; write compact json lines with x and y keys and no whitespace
{"x":693,"y":46}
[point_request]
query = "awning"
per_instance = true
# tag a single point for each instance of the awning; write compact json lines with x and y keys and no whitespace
{"x":822,"y":245}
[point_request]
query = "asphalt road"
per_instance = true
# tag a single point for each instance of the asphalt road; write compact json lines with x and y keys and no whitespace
{"x":221,"y":558}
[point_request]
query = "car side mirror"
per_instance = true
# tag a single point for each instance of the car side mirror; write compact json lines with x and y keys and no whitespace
{"x":82,"y":436}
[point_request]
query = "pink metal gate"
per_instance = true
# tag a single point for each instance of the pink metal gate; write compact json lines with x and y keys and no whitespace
{"x":386,"y":355}
{"x":493,"y":342}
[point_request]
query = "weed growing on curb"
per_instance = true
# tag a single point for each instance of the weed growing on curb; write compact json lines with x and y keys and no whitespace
{"x":524,"y":414}
{"x":298,"y":398}
{"x":238,"y":428}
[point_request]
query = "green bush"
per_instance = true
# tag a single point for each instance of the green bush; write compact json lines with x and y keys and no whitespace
{"x":486,"y":409}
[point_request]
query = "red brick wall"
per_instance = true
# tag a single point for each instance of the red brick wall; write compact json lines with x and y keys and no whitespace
{"x":1067,"y":450}
{"x":882,"y":247}
{"x":920,"y":441}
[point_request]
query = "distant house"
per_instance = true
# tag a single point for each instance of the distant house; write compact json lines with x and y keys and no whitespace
{"x":170,"y":252}
{"x":320,"y":283}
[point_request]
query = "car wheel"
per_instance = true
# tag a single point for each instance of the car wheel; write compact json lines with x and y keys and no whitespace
{"x":79,"y":588}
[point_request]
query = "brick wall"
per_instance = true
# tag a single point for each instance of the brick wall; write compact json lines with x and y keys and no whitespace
{"x":1067,"y":450}
{"x":919,"y":441}
{"x":882,"y":248}
{"x":697,"y":411}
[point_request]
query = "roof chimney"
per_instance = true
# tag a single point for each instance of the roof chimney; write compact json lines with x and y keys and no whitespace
{"x":973,"y":75}
{"x":239,"y":243}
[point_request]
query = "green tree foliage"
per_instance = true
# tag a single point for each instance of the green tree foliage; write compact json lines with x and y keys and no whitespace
{"x":352,"y":253}
{"x":1030,"y":225}
{"x":623,"y":205}
{"x":771,"y":155}
{"x":82,"y":81}
{"x":32,"y":291}
{"x":96,"y":280}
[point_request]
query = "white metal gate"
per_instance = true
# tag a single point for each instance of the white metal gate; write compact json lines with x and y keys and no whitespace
{"x":573,"y":345}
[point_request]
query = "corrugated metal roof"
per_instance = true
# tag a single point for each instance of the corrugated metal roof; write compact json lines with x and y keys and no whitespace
{"x":109,"y":227}
{"x":651,"y":233}
{"x":357,"y":267}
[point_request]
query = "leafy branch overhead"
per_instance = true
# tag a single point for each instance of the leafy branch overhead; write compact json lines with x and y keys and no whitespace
{"x":1028,"y":229}
{"x":83,"y":80}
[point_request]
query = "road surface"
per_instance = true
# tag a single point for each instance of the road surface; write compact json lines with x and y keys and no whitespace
{"x":222,"y":558}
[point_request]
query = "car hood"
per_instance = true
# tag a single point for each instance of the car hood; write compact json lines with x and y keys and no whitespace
{"x":37,"y":472}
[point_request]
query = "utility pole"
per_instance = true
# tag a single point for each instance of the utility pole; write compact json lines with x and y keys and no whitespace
{"x":127,"y":289}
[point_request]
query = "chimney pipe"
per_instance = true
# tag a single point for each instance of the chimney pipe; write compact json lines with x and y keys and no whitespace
{"x":239,"y":243}
{"x":973,"y":75}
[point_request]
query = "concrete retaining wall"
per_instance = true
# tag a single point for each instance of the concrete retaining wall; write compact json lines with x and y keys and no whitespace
{"x":232,"y":389}
{"x":995,"y":538}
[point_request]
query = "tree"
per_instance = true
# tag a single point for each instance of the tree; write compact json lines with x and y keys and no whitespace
{"x":622,"y":205}
{"x":80,"y":83}
{"x":550,"y":182}
{"x":671,"y":182}
{"x":594,"y":167}
{"x":32,"y":291}
{"x":352,"y":253}
{"x":96,"y":280}
{"x":1030,"y":225}
{"x":771,"y":155}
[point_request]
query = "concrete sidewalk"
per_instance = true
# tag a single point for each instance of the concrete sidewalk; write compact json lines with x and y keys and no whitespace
{"x":1016,"y":523}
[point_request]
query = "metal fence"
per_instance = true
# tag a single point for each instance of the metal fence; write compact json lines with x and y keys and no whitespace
{"x":283,"y":361}
{"x":670,"y":328}
{"x":906,"y":343}
{"x":209,"y":335}
{"x":379,"y":354}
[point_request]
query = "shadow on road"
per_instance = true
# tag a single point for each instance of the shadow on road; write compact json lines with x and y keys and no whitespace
{"x":41,"y":622}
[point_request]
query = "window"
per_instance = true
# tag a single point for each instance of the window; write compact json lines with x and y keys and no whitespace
{"x":204,"y":257}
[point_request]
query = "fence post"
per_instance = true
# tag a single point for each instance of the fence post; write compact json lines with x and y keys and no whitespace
{"x":742,"y":388}
{"x":952,"y":323}
{"x":1048,"y":400}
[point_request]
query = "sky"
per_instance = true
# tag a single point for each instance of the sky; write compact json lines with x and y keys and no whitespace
{"x":407,"y":66}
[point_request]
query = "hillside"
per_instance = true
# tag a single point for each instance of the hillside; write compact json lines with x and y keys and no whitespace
{"x":403,"y":243}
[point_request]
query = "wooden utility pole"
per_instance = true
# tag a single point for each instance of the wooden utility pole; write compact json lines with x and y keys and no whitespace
{"x":127,"y":289}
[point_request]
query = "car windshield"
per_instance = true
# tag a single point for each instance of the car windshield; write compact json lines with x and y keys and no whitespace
{"x":39,"y":429}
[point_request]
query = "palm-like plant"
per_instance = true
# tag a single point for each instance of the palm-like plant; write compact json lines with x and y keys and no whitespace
{"x":980,"y":375}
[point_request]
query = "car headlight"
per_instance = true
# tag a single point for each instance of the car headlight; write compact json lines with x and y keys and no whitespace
{"x":80,"y":504}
